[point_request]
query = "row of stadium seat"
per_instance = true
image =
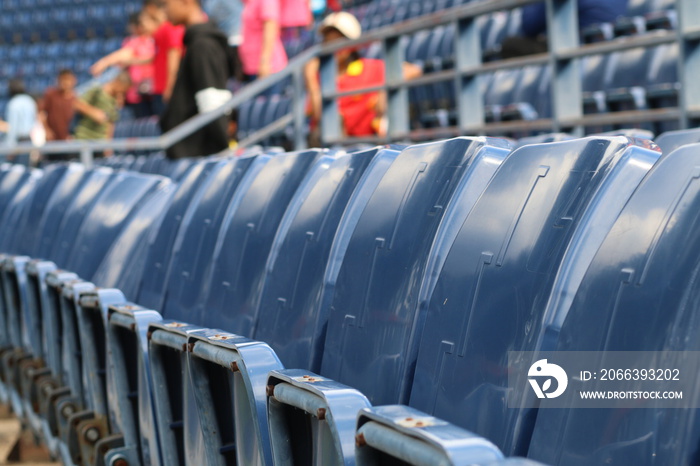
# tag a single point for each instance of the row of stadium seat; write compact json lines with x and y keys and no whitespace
{"x":137,"y":128}
{"x":642,"y":16}
{"x":634,"y":79}
{"x":399,"y":274}
{"x":59,"y":49}
{"x":66,"y":22}
{"x":28,"y":5}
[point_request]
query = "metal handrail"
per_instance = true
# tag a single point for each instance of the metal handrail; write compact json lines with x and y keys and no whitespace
{"x":564,"y":49}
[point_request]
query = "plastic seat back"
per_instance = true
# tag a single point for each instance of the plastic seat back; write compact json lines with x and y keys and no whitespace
{"x":372,"y":314}
{"x":493,"y":288}
{"x":111,"y":211}
{"x":639,"y":294}
{"x":160,"y":252}
{"x":288,"y":317}
{"x":70,"y":220}
{"x":125,"y":264}
{"x":244,"y":242}
{"x":194,"y":246}
{"x":672,"y":140}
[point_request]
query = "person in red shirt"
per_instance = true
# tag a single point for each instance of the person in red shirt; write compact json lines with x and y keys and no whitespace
{"x":168,"y":51}
{"x":57,"y":109}
{"x":361,"y":114}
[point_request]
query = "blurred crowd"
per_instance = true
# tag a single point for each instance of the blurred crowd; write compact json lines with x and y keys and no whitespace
{"x":182,"y":55}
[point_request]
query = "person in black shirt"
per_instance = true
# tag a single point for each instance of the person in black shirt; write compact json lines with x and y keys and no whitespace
{"x":201,"y":81}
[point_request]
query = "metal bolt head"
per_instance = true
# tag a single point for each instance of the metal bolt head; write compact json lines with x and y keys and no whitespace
{"x":270,"y":389}
{"x":68,"y":410}
{"x":321,"y":414}
{"x":234,"y":366}
{"x":120,"y":462}
{"x":360,"y":440}
{"x":92,"y":434}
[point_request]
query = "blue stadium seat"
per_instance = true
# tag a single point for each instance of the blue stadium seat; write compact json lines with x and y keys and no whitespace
{"x":235,"y":271}
{"x":200,"y":227}
{"x":11,"y":181}
{"x":388,"y":247}
{"x":626,"y":89}
{"x":237,"y":264}
{"x":501,"y":92}
{"x":95,"y":218}
{"x":187,"y":271}
{"x":291,"y":301}
{"x":532,"y":97}
{"x":11,"y":331}
{"x":24,"y":211}
{"x":634,"y":297}
{"x":122,"y":266}
{"x":152,"y":290}
{"x":663,"y":86}
{"x":402,"y":435}
{"x":94,"y":233}
{"x":302,"y":244}
{"x":477,"y":312}
{"x":594,"y":81}
{"x":672,"y":140}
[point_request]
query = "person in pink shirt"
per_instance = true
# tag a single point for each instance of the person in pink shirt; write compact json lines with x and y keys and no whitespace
{"x":262,"y":52}
{"x":295,"y":13}
{"x":136,"y":54}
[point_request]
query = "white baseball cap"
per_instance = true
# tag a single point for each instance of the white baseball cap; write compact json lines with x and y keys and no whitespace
{"x":344,"y":22}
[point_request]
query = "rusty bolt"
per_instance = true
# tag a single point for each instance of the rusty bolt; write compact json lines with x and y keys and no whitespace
{"x":149,"y":335}
{"x":184,"y":347}
{"x":360,"y":440}
{"x":419,"y":424}
{"x":92,"y":434}
{"x":409,"y":419}
{"x":190,"y":347}
{"x":234,"y":367}
{"x":321,"y":414}
{"x":120,"y":462}
{"x":270,"y":390}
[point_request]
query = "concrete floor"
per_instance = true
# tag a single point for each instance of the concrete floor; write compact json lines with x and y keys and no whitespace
{"x":17,"y":447}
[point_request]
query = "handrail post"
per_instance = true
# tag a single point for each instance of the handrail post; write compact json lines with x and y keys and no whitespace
{"x":689,"y":58}
{"x":397,"y":98}
{"x":468,"y":88}
{"x":563,"y":33}
{"x":330,"y":114}
{"x":86,"y":157}
{"x":298,"y":114}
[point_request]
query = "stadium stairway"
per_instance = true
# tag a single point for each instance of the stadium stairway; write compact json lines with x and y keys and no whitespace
{"x":345,"y":307}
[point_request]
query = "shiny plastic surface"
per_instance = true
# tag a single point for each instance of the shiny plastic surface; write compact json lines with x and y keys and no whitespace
{"x":640,"y":293}
{"x":372,"y":318}
{"x":492,"y":291}
{"x":158,"y":255}
{"x":238,"y":262}
{"x":672,"y":140}
{"x":111,"y":212}
{"x":288,"y":316}
{"x":194,"y":246}
{"x":124,"y":264}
